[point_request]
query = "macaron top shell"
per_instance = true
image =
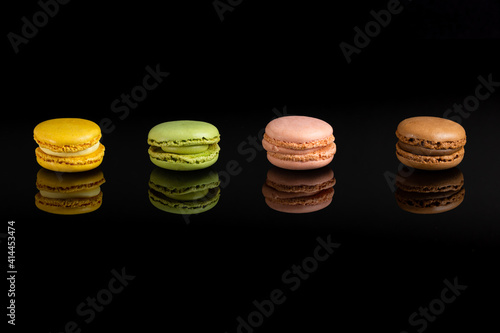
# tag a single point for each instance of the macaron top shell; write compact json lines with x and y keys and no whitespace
{"x":298,"y":129}
{"x":67,"y":134}
{"x":431,"y":132}
{"x":183,"y":133}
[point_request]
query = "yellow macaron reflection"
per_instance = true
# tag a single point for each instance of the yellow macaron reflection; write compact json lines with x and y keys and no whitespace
{"x":69,"y":193}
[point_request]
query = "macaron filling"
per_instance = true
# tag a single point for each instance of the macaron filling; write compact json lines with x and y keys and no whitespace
{"x":296,"y":146}
{"x":70,"y":195}
{"x":282,"y":150}
{"x":322,"y":153}
{"x":419,"y":150}
{"x":209,"y":154}
{"x":185,"y":149}
{"x":72,"y":154}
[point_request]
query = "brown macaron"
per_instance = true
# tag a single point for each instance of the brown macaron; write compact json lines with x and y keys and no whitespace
{"x":294,"y":191}
{"x":425,"y":192}
{"x":430,"y":143}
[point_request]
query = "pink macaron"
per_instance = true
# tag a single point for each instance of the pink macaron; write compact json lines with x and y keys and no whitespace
{"x":299,"y":143}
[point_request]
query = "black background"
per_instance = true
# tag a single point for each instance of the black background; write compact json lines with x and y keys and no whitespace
{"x":238,"y":74}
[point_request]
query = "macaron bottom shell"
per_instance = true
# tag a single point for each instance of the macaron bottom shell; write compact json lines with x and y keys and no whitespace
{"x":184,"y":162}
{"x":299,"y":165}
{"x":70,"y":164}
{"x":176,"y":166}
{"x":429,"y":162}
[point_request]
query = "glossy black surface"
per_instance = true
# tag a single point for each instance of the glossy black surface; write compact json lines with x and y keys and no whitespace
{"x":204,"y":271}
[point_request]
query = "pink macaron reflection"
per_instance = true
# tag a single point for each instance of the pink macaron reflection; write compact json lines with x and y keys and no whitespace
{"x":294,"y":191}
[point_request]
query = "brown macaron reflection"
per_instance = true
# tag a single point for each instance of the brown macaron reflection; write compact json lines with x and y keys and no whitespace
{"x":430,"y":192}
{"x":298,"y":191}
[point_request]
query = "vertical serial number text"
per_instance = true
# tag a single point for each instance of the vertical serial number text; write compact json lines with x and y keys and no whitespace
{"x":11,"y":272}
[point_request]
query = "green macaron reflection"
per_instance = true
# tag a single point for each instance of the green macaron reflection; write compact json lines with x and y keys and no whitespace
{"x":184,"y":192}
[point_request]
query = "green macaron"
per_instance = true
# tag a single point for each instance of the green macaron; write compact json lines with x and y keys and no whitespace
{"x":184,"y":145}
{"x":184,"y":192}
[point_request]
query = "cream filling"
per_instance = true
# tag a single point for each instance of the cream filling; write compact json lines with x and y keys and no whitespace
{"x":78,"y":194}
{"x":78,"y":153}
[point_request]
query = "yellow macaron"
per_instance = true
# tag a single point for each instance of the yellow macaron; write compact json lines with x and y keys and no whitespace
{"x":68,"y":144}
